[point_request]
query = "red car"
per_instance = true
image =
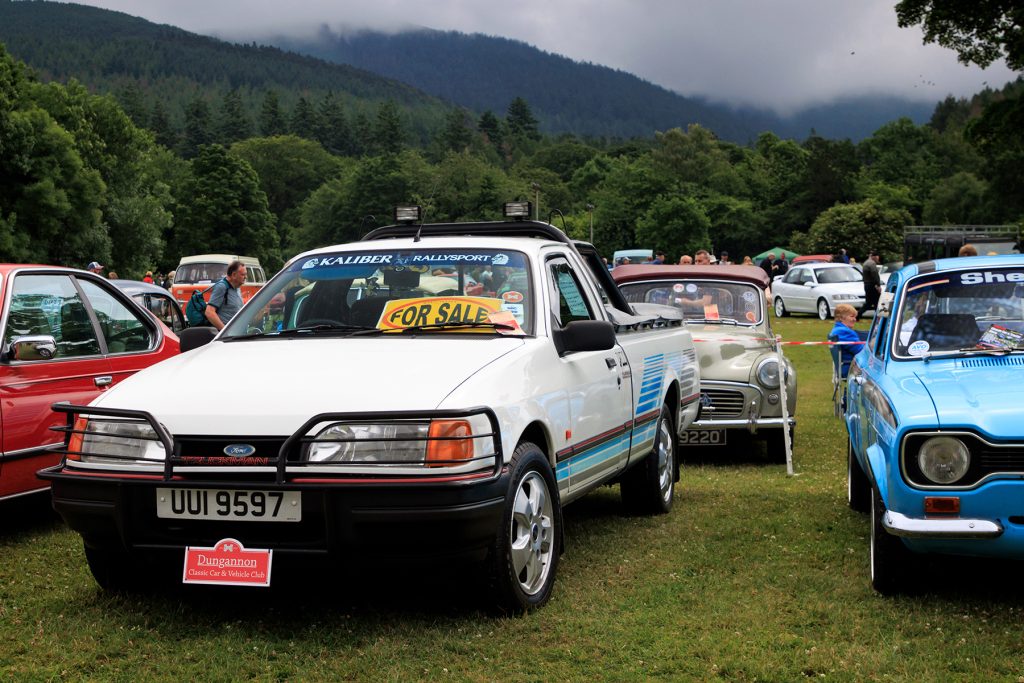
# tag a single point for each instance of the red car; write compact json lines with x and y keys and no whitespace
{"x":68,"y":335}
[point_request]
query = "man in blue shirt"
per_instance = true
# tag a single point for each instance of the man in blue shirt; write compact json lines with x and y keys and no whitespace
{"x":226,"y":299}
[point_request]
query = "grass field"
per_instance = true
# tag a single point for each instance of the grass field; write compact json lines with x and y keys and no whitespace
{"x":753,"y":576}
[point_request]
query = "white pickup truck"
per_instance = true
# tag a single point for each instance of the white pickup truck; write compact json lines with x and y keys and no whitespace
{"x":431,"y":391}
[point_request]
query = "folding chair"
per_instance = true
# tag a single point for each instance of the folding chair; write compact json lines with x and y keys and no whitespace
{"x":838,"y":377}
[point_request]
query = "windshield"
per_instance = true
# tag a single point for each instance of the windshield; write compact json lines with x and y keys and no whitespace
{"x":950,"y":311}
{"x":702,"y":300}
{"x":831,"y":276}
{"x":455,"y":290}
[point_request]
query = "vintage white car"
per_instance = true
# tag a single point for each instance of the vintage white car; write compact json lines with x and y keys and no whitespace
{"x":407,"y":422}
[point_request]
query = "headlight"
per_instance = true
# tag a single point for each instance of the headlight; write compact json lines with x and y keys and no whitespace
{"x":768,"y":373}
{"x":114,"y":442}
{"x":435,"y":443}
{"x":845,"y":297}
{"x":944,"y":459}
{"x":397,"y":443}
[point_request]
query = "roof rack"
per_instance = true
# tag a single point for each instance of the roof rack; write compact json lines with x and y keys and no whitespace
{"x":479,"y":229}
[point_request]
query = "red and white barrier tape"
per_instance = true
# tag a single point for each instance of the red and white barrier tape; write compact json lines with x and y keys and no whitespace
{"x":784,"y":343}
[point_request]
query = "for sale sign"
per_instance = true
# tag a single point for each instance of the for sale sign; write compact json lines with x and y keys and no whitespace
{"x":228,"y":563}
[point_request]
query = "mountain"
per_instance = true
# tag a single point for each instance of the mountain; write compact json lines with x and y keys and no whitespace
{"x":484,"y":72}
{"x":108,"y":51}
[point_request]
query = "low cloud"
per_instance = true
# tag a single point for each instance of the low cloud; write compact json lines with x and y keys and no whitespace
{"x":785,"y":54}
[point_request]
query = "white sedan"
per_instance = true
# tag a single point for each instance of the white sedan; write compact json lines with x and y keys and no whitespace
{"x":818,"y":288}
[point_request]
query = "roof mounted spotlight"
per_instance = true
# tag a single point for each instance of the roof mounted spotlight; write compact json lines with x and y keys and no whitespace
{"x":408,"y":214}
{"x":518,"y":210}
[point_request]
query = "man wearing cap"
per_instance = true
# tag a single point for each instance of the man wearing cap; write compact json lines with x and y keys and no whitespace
{"x":724,"y":260}
{"x":95,"y":267}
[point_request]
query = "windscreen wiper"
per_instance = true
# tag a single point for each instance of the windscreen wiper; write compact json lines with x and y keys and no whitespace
{"x":310,"y":330}
{"x":458,"y":326}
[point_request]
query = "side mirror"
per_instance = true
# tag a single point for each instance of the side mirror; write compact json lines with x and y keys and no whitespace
{"x":808,"y":284}
{"x":194,"y":337}
{"x":33,"y":347}
{"x":586,"y":335}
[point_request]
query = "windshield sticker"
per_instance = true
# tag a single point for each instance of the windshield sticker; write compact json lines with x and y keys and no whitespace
{"x":749,"y":296}
{"x":691,"y":288}
{"x":500,"y":260}
{"x":751,"y":316}
{"x":711,"y":312}
{"x":919,"y":348}
{"x":505,"y":318}
{"x":400,"y":314}
{"x":518,"y":310}
{"x":512,"y":297}
{"x":678,"y":287}
{"x":990,"y":276}
{"x":51,"y":305}
{"x":999,"y":337}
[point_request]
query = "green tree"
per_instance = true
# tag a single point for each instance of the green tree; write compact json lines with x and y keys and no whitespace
{"x":137,"y":205}
{"x":304,"y":121}
{"x":674,"y":225}
{"x":456,"y":135}
{"x":198,"y":127}
{"x":49,"y":199}
{"x":388,"y":135}
{"x":859,"y":228}
{"x":160,"y":124}
{"x":520,"y":120}
{"x":289,"y":168}
{"x":224,"y":210}
{"x":334,"y":132}
{"x":271,"y":119}
{"x":961,"y":198}
{"x":233,"y":122}
{"x":980,"y":32}
{"x":490,"y":127}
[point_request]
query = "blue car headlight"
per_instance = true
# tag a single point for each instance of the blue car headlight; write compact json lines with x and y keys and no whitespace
{"x":944,"y":459}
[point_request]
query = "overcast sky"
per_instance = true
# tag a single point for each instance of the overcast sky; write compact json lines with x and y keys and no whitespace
{"x":784,"y":54}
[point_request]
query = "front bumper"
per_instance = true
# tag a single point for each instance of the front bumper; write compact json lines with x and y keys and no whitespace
{"x":344,"y":513}
{"x":915,"y":527}
{"x":338,"y":520}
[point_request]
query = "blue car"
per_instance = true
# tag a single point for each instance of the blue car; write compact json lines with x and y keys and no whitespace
{"x":935,"y":417}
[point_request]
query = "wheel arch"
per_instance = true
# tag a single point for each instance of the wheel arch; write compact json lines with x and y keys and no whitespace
{"x":538,"y":434}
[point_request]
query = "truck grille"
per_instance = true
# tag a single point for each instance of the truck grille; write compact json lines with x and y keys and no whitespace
{"x":721,"y":402}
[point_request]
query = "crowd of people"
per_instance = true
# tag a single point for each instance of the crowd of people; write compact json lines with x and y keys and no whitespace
{"x":164,"y":281}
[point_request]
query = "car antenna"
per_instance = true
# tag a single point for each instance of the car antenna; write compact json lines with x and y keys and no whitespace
{"x":551,"y":215}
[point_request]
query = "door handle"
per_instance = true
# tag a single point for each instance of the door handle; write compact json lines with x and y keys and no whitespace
{"x":610,"y":362}
{"x":104,"y":381}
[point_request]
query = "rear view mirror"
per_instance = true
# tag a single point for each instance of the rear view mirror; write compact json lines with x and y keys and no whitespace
{"x":194,"y":337}
{"x":34,"y":347}
{"x":586,"y":335}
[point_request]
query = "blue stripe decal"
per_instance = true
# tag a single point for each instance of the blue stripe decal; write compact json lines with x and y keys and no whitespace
{"x":592,"y":457}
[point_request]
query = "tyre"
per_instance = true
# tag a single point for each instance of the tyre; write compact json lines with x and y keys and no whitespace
{"x":649,"y":487}
{"x":824,"y":313}
{"x":892,"y":563}
{"x":114,"y":570}
{"x":524,"y":558}
{"x":780,"y":308}
{"x":858,"y":488}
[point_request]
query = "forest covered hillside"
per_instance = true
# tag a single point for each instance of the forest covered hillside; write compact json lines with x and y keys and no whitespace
{"x":479,"y":72}
{"x":114,"y":52}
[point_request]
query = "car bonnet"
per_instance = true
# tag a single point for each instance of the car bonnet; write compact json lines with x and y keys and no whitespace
{"x":272,"y":387}
{"x":981,"y":391}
